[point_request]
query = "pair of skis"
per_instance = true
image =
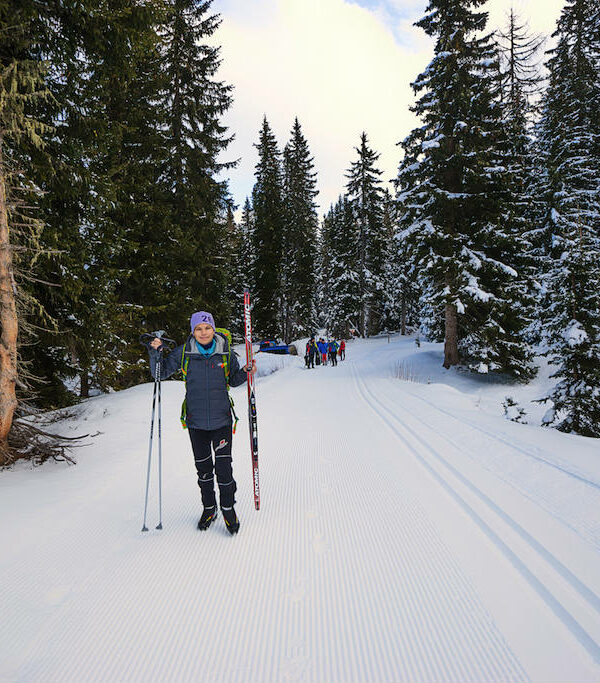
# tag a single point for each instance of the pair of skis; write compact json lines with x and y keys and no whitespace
{"x":251,"y":400}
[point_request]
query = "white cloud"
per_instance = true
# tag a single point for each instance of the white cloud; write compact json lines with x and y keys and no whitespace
{"x":333,"y":64}
{"x":340,"y":67}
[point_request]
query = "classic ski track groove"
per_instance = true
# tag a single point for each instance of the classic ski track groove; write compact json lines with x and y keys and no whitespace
{"x":584,"y":638}
{"x":546,"y":494}
{"x":544,"y":499}
{"x":580,"y":477}
{"x":541,"y":496}
{"x":519,"y":449}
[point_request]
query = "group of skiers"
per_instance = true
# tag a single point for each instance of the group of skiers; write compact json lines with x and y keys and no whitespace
{"x":321,"y":351}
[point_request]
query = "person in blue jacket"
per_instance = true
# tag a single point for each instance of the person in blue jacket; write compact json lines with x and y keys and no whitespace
{"x":332,"y":348}
{"x":322,"y":350}
{"x":203,"y":358}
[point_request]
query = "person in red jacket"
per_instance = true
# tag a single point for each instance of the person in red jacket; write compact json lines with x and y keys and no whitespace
{"x":322,"y":344}
{"x":342,"y":350}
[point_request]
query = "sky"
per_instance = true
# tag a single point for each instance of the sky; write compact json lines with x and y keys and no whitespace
{"x":341,"y":66}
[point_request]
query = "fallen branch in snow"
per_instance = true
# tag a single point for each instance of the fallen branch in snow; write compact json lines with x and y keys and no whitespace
{"x":25,"y":441}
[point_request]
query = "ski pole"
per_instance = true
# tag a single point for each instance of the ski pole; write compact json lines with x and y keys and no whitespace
{"x":145,"y":339}
{"x":154,"y":393}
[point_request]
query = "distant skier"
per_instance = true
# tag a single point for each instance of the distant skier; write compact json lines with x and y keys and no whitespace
{"x":209,"y":366}
{"x":322,"y":350}
{"x":342,"y":350}
{"x":311,"y":352}
{"x":332,"y":347}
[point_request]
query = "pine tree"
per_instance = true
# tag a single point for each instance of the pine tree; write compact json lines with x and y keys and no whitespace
{"x":234,"y":287}
{"x":22,"y":97}
{"x":193,"y":242}
{"x":340,"y":276}
{"x":523,"y":208}
{"x":135,"y":196}
{"x":399,"y":292}
{"x":365,"y":196}
{"x":106,"y":79}
{"x":570,"y":135}
{"x":240,"y":264}
{"x":80,"y":294}
{"x":247,"y":256}
{"x":499,"y":341}
{"x":269,"y":217}
{"x":451,"y":182}
{"x":299,"y":278}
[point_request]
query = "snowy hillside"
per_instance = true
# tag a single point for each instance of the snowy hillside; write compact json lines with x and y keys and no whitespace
{"x":408,"y":532}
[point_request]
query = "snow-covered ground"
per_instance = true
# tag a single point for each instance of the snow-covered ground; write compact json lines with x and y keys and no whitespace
{"x":408,"y":532}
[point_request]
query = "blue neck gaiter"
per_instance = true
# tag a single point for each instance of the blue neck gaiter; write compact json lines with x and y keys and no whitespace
{"x":206,"y":349}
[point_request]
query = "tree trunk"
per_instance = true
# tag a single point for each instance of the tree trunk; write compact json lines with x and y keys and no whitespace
{"x":403,"y":315}
{"x":9,"y":326}
{"x":84,"y":391}
{"x":451,"y":337}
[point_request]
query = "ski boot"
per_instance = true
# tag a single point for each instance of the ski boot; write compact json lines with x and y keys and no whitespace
{"x":208,"y":517}
{"x":231,"y":521}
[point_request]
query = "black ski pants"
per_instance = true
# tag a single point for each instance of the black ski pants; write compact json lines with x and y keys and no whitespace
{"x":220,"y":439}
{"x":333,"y":357}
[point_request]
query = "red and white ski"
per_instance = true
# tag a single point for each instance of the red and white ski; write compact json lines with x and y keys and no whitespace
{"x":251,"y":401}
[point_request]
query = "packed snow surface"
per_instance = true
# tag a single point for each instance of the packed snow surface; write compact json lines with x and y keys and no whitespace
{"x":408,"y":531}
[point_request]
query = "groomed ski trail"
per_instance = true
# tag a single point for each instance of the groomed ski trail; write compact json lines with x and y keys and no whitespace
{"x":475,"y":492}
{"x":382,"y":552}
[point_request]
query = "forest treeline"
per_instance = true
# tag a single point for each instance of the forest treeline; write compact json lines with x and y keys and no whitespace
{"x":116,"y":217}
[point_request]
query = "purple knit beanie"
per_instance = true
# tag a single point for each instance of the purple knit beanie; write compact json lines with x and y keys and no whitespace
{"x":201,"y":317}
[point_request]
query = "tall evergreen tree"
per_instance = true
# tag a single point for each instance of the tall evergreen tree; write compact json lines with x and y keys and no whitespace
{"x":22,"y":96}
{"x":452,"y":181}
{"x":193,"y":240}
{"x":104,"y":84}
{"x":400,"y":295}
{"x":78,"y":265}
{"x":365,"y":196}
{"x":269,"y":217}
{"x":247,"y":256}
{"x":301,"y":225}
{"x":234,"y":284}
{"x":241,"y":266}
{"x":570,"y":135}
{"x":340,"y":274}
{"x":523,"y":207}
{"x":133,"y":210}
{"x":501,"y":338}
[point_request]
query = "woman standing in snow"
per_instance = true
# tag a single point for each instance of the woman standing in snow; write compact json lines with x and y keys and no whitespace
{"x":209,"y":367}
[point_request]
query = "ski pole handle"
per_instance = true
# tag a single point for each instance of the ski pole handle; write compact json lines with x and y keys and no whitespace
{"x":147,"y":337}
